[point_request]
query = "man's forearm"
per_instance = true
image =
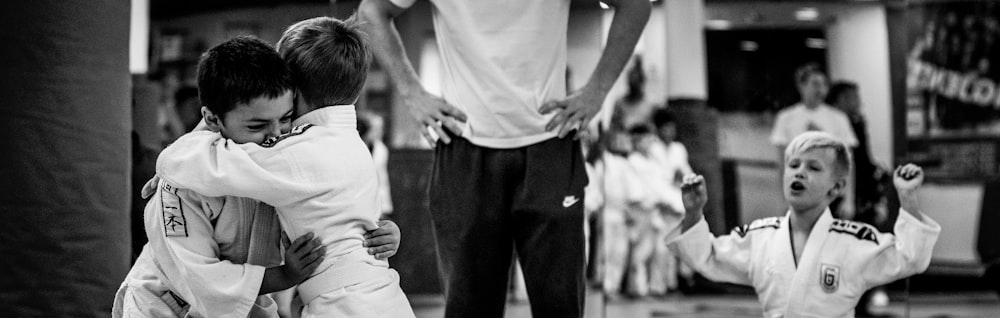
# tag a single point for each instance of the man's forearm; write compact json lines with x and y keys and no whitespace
{"x":626,"y":26}
{"x":388,"y":46}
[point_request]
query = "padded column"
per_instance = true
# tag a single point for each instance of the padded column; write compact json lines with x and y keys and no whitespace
{"x":65,"y":122}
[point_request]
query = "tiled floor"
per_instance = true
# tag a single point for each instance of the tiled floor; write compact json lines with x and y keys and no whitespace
{"x":921,"y":306}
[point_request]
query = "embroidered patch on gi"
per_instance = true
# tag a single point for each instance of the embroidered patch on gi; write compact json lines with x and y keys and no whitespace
{"x":174,"y":223}
{"x":829,"y":278}
{"x":860,"y":231}
{"x":298,"y":130}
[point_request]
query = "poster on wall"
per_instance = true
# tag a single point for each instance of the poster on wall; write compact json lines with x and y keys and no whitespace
{"x":953,"y":88}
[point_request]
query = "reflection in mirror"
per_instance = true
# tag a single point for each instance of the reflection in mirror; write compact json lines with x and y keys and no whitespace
{"x":898,"y":239}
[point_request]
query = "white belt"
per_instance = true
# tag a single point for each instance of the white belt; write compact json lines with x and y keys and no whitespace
{"x":349,"y":269}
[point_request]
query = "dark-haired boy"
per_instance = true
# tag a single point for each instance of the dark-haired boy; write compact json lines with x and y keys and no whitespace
{"x":213,"y":256}
{"x":320,"y":176}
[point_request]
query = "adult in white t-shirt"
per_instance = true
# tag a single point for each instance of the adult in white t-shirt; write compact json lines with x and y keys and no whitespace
{"x":811,"y":113}
{"x":502,"y":180}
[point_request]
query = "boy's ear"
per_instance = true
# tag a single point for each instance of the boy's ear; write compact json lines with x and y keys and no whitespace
{"x":838,"y":188}
{"x":213,"y":121}
{"x":300,"y":106}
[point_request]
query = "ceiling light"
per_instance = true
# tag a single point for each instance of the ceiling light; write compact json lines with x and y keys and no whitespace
{"x":807,"y":14}
{"x":718,"y":24}
{"x":815,"y":43}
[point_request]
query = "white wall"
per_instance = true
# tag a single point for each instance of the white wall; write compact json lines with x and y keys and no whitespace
{"x":956,"y":208}
{"x":858,"y":51}
{"x":687,"y":73}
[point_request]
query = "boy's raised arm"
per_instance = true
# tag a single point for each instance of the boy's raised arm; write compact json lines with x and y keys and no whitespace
{"x":695,"y":196}
{"x":725,"y":258}
{"x":907,"y":251}
{"x":908,"y":180}
{"x":211,"y":165}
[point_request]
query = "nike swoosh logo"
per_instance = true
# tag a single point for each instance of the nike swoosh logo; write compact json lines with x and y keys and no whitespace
{"x":569,"y":201}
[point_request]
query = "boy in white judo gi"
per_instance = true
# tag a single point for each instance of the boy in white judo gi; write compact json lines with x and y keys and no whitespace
{"x":806,"y":263}
{"x":214,"y":256}
{"x":320,"y":177}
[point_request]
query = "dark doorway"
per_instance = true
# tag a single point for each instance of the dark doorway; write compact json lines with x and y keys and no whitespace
{"x":752,"y":70}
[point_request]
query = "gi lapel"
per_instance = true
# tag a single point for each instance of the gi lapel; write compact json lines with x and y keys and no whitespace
{"x":780,"y":269}
{"x":807,"y":273}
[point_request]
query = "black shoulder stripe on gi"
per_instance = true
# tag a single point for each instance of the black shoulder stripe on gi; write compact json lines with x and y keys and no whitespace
{"x":859,"y":230}
{"x":298,"y":130}
{"x":771,"y":222}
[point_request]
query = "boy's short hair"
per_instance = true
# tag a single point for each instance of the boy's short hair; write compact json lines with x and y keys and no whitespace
{"x":329,"y":59}
{"x":839,"y":88}
{"x":819,"y":140}
{"x":238,"y":71}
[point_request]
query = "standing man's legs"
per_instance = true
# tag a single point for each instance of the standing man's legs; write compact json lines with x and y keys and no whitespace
{"x":548,"y":227}
{"x":470,"y":193}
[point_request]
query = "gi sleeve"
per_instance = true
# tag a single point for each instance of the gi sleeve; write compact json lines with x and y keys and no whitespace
{"x":723,"y":259}
{"x":181,"y":237}
{"x":905,"y":253}
{"x":211,"y":165}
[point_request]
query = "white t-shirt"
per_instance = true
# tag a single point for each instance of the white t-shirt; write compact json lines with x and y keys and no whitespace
{"x":501,"y":61}
{"x":798,"y":119}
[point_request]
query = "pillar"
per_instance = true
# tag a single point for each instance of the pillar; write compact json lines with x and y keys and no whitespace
{"x":66,"y":122}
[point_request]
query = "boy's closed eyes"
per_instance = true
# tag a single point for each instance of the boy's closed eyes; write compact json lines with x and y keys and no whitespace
{"x":263,"y":117}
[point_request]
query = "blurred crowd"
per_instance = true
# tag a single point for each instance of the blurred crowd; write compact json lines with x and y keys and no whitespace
{"x":633,"y":201}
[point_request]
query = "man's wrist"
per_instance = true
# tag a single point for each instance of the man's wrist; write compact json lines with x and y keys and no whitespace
{"x":598,"y":87}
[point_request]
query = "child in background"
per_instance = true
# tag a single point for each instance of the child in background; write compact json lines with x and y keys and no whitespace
{"x":647,"y":225}
{"x":672,"y":158}
{"x":806,"y":263}
{"x":623,"y":190}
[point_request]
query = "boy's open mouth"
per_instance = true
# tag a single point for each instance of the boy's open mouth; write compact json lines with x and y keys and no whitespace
{"x":797,"y":186}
